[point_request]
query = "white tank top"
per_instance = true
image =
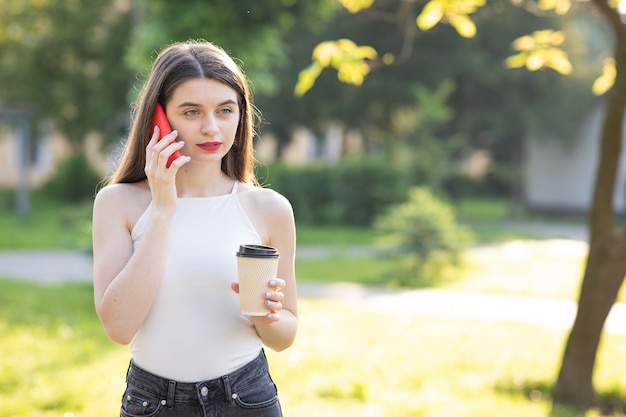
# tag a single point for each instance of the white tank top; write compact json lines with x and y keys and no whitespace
{"x":194,"y":331}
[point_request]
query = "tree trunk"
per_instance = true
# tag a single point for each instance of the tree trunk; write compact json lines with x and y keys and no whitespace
{"x":604,"y":274}
{"x":606,"y":262}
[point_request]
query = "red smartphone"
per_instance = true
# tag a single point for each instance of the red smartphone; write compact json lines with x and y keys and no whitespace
{"x":160,"y":119}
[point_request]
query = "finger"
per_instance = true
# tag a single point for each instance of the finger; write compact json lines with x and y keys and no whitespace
{"x":162,"y":155}
{"x":275,"y":306}
{"x":234,"y":286}
{"x":153,"y":140}
{"x":156,"y":132}
{"x":275,"y":296}
{"x":270,"y":317}
{"x":277,"y":283}
{"x":274,"y":316}
{"x":169,"y":150}
{"x":180,"y":161}
{"x":166,"y":141}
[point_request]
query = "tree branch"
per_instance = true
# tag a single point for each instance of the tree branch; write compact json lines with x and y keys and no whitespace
{"x":612,"y":16}
{"x":406,"y":17}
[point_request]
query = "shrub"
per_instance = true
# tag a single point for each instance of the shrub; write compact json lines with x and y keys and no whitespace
{"x":364,"y":188}
{"x":424,"y":230}
{"x":75,"y":180}
{"x":353,"y":193}
{"x":308,"y":189}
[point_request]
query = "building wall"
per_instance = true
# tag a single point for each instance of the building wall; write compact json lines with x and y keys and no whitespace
{"x":559,"y":175}
{"x":50,"y":151}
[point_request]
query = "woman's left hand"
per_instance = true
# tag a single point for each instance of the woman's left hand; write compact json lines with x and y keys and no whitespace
{"x":273,"y":300}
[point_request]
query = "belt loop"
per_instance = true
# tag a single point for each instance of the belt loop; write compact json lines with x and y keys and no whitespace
{"x":130,"y":365}
{"x":227,"y":388}
{"x":171,"y":391}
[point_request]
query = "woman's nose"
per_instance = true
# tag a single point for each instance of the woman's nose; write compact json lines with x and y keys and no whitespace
{"x":209,"y":126}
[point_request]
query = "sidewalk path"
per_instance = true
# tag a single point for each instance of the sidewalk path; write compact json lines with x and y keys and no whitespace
{"x":544,"y":311}
{"x":56,"y":266}
{"x":70,"y":266}
{"x":48,"y":267}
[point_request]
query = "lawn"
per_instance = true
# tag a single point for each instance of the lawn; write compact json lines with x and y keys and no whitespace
{"x":350,"y":359}
{"x":49,"y":225}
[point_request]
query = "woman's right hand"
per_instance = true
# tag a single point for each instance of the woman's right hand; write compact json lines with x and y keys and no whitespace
{"x":161,"y":179}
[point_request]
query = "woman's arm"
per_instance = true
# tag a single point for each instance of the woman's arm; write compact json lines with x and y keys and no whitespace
{"x":125,"y":283}
{"x":278,"y":332}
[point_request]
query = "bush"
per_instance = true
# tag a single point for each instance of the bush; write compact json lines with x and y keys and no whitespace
{"x":74,"y":181}
{"x":364,"y":188}
{"x":307,"y":188}
{"x":351,"y":193}
{"x":424,"y":230}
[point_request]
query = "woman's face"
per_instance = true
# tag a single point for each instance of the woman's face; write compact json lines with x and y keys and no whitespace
{"x":206,"y":114}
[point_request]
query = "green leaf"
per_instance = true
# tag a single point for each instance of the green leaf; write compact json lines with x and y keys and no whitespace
{"x":558,"y":61}
{"x":605,"y":81}
{"x":307,"y":77}
{"x":355,"y":6}
{"x":431,"y":15}
{"x":464,"y":25}
{"x":516,"y":61}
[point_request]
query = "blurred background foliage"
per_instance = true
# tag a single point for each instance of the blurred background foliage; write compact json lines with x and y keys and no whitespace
{"x":430,"y":99}
{"x":433,"y":98}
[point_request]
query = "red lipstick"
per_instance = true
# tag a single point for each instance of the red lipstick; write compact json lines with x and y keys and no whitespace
{"x":209,"y":146}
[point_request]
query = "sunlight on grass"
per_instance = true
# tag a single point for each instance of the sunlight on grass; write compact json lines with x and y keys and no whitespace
{"x":335,"y":235}
{"x":342,"y":268}
{"x":350,"y":359}
{"x":49,"y":226}
{"x":551,"y":268}
{"x":540,"y":268}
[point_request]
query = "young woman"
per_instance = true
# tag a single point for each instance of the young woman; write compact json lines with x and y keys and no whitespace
{"x":165,"y":239}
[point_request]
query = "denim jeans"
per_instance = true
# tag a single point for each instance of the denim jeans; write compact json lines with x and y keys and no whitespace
{"x":246,"y":392}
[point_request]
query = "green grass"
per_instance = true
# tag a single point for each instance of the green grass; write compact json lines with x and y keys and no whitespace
{"x":482,"y":208}
{"x":337,"y":235}
{"x":349,"y":359}
{"x":341,"y":268}
{"x":52,"y":225}
{"x":490,"y":220}
{"x":49,"y":225}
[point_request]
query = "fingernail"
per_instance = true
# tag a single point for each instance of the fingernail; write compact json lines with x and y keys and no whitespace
{"x":272,"y":283}
{"x":270,"y":316}
{"x":174,"y":132}
{"x":268,"y":295}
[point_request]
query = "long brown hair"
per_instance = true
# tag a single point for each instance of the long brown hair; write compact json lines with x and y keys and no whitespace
{"x":177,"y":63}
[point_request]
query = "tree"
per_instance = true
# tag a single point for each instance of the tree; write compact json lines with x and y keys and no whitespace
{"x":258,"y":34}
{"x":606,"y":262}
{"x":481,"y":101}
{"x":61,"y":61}
{"x":250,"y":30}
{"x":74,"y":62}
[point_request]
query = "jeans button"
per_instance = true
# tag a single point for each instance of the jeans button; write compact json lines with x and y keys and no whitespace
{"x":204,"y":391}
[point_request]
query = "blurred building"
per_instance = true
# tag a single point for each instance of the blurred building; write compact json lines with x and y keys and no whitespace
{"x":559,"y":176}
{"x":39,"y":157}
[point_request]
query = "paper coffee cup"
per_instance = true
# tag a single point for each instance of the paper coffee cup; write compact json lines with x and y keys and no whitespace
{"x":256,"y":265}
